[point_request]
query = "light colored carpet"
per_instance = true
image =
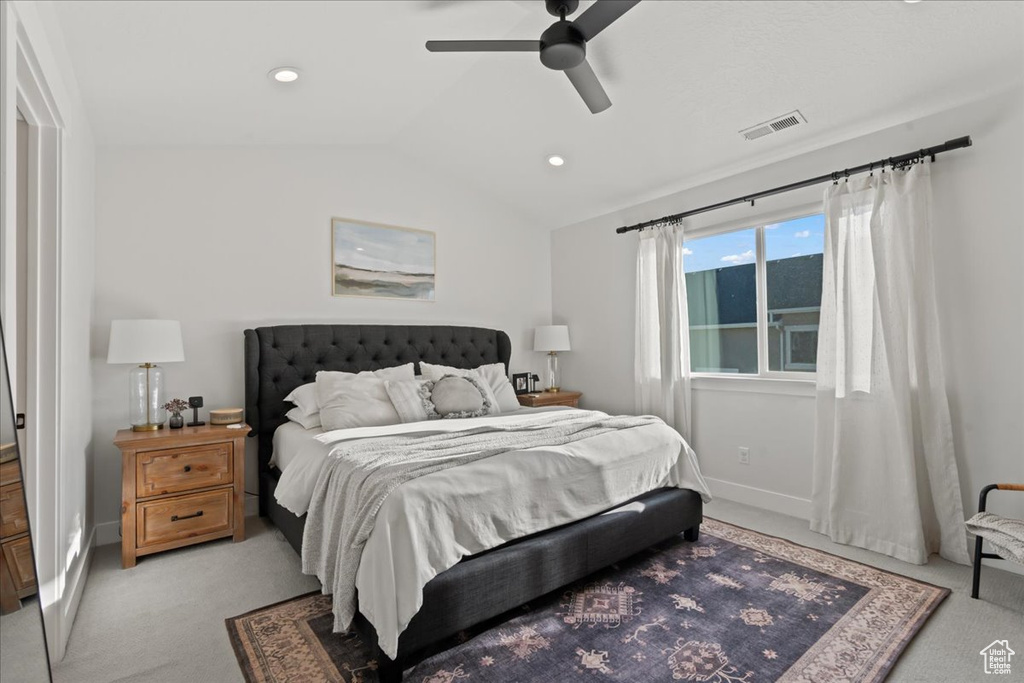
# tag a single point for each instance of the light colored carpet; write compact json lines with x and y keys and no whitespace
{"x":164,"y":619}
{"x":22,"y":645}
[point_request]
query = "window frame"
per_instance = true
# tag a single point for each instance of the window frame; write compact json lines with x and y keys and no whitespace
{"x":788,"y":361}
{"x":758,"y":223}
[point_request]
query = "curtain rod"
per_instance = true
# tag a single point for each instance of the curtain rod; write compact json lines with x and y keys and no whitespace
{"x":900,"y":161}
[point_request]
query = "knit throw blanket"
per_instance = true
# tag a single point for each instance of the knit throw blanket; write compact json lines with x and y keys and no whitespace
{"x":358,"y":476}
{"x":1004,"y":533}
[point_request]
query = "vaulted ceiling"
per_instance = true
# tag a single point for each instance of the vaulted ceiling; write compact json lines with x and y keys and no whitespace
{"x":684,"y":77}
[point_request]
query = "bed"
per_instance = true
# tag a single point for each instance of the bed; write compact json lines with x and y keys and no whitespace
{"x":279,"y":359}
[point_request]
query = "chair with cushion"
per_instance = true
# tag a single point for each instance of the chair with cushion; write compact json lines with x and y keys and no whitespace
{"x":1005,"y":534}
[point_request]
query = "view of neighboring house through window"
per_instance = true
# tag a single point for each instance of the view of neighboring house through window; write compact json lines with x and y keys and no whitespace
{"x":724,"y":297}
{"x":793,"y":255}
{"x":721,"y":299}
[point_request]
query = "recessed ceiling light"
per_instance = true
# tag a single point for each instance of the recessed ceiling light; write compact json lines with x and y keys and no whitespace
{"x":555,"y":160}
{"x":911,"y":2}
{"x":285,"y":74}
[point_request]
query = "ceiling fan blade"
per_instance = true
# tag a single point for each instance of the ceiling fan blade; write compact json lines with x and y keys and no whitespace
{"x":483,"y":45}
{"x":585,"y":81}
{"x":600,"y":15}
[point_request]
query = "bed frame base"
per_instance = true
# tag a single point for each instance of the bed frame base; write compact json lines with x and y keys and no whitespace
{"x":491,"y":583}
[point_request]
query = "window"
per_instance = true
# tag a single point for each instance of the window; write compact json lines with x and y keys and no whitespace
{"x":721,"y":299}
{"x":754,"y":298}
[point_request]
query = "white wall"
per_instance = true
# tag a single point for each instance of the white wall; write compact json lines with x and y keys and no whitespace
{"x":62,"y":525}
{"x":978,"y":246}
{"x":224,"y":239}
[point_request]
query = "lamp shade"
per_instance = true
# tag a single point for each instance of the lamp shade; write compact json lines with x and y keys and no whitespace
{"x":145,"y":341}
{"x":551,"y":338}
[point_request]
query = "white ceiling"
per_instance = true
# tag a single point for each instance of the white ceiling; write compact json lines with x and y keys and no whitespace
{"x":683,"y":77}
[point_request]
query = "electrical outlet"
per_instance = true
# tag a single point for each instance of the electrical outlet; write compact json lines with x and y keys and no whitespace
{"x":744,"y":455}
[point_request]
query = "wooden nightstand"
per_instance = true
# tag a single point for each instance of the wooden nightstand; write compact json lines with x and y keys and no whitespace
{"x":180,"y":487}
{"x":550,"y":398}
{"x":17,"y":570}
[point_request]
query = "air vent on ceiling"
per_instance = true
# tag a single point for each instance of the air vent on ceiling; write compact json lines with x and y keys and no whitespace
{"x":793,"y":118}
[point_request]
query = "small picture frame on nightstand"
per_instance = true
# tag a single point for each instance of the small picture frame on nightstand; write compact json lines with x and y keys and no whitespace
{"x":521,"y":383}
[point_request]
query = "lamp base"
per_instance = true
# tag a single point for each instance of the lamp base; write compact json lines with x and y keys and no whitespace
{"x":146,"y":428}
{"x":553,"y":375}
{"x":553,"y":390}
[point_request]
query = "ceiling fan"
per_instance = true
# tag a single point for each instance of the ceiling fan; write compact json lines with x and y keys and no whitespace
{"x":562,"y":46}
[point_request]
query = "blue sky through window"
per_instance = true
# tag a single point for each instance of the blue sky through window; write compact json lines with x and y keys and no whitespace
{"x":720,"y":251}
{"x":798,"y":237}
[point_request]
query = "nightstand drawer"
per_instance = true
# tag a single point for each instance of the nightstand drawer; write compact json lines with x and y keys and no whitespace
{"x":18,"y":555}
{"x":13,"y":519}
{"x":183,"y":469}
{"x":10,"y":473}
{"x":174,"y":519}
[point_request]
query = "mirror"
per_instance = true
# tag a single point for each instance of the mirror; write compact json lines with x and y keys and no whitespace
{"x":23,"y":654}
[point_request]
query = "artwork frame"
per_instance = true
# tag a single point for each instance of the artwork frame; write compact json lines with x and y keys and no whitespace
{"x":521,"y":383}
{"x":380,"y":261}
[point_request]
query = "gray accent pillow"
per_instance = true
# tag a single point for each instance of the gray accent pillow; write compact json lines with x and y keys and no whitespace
{"x":454,"y":397}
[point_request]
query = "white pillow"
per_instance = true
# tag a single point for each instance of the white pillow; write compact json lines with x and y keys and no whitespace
{"x":405,"y":396}
{"x":304,"y":398}
{"x":307,"y":421}
{"x":395,"y":374}
{"x":348,"y":400}
{"x":502,"y":395}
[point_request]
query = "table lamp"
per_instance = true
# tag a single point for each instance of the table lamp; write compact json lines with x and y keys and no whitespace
{"x":551,"y":338}
{"x":145,"y":342}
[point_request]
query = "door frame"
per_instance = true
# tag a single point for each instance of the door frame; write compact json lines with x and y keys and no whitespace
{"x":23,"y":87}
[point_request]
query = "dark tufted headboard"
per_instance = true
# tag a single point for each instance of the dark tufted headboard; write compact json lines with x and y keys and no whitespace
{"x":280,"y":358}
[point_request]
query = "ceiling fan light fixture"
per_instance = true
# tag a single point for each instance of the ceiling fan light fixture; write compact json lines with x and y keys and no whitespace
{"x":284,"y":74}
{"x":556,"y":160}
{"x":562,"y":46}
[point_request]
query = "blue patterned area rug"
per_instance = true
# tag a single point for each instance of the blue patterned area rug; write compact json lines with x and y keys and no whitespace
{"x":735,"y":607}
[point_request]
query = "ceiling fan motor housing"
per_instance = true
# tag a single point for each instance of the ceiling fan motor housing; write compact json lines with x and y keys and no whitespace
{"x":556,"y":7}
{"x":562,"y":46}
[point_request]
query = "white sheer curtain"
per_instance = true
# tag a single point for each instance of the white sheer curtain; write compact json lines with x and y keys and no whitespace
{"x":662,"y":363}
{"x":885,"y":477}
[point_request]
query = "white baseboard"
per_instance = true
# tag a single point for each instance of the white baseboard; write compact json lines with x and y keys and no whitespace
{"x":767,"y":500}
{"x":1005,"y":565}
{"x":108,"y":533}
{"x":75,"y":587}
{"x":801,"y":508}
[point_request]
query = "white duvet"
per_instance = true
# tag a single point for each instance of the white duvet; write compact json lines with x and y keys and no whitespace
{"x":429,"y":524}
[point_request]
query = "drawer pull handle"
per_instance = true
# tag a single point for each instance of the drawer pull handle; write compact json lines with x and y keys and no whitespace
{"x":176,"y":518}
{"x":188,"y":468}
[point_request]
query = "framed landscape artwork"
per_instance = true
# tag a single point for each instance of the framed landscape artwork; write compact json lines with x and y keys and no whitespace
{"x":368,"y":259}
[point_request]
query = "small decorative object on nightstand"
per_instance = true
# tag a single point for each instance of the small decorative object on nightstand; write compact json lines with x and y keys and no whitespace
{"x":174,"y":407}
{"x":196,"y":402}
{"x":550,"y":398}
{"x":226,"y":416}
{"x":179,"y":488}
{"x":521,"y":383}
